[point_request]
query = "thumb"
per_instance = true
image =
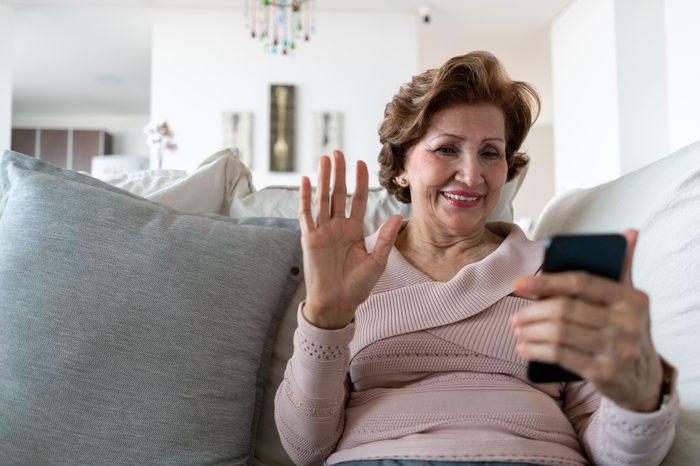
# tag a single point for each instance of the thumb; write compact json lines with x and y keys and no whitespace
{"x":631,"y":236}
{"x":386,"y":239}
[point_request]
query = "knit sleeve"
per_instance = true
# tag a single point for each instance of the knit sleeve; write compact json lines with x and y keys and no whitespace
{"x":310,"y":402}
{"x":612,"y":435}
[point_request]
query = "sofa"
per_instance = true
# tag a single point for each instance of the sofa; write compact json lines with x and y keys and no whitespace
{"x":148,"y":318}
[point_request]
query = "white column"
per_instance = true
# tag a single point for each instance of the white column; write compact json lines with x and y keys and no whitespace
{"x":610,"y":90}
{"x":641,"y":82}
{"x":682,"y":55}
{"x":5,"y":77}
{"x":584,"y":88}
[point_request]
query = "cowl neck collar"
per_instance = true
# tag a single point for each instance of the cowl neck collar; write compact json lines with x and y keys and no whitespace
{"x":406,"y":300}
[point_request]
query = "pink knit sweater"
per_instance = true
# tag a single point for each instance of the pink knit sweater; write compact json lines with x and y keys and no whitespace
{"x":428,"y":370}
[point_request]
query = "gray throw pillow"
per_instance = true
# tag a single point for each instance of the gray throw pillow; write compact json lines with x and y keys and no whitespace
{"x":131,"y":333}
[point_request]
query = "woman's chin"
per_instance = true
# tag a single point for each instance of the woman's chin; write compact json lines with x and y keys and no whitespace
{"x":464,"y":227}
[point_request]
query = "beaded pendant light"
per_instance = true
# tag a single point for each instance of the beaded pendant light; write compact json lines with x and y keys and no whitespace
{"x":281,"y":24}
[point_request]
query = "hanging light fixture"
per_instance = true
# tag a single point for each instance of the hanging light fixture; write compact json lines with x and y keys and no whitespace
{"x":281,"y":24}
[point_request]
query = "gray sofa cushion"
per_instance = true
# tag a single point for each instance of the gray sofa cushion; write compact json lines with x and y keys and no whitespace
{"x":131,"y":333}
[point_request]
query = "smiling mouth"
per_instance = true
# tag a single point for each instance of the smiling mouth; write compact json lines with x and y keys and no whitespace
{"x":458,"y":197}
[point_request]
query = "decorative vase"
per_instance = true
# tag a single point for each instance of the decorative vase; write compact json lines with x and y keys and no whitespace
{"x":156,"y":157}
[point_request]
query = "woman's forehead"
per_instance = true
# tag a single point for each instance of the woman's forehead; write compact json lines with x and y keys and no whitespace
{"x":458,"y":120}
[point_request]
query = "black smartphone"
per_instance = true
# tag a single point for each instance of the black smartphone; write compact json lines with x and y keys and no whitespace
{"x":599,"y":254}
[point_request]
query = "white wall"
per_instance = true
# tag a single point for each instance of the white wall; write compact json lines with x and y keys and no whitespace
{"x":524,"y":52}
{"x":584,"y":77}
{"x":204,"y":63}
{"x":5,"y":77}
{"x":126,"y":130}
{"x":538,"y":187}
{"x":683,"y":72}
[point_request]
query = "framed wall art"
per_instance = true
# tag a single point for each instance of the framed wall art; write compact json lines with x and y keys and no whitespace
{"x":327,"y":134}
{"x":282,"y":127}
{"x":238,"y":133}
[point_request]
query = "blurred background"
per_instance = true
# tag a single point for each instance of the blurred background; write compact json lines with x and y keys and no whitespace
{"x":78,"y":79}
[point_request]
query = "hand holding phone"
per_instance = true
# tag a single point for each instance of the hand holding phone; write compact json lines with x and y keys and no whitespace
{"x":599,"y":254}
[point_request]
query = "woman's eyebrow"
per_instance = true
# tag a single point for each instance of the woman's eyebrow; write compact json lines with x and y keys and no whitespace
{"x":447,"y":134}
{"x":494,"y":138}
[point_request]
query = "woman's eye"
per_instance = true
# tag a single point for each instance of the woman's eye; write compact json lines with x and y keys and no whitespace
{"x":447,"y":150}
{"x":491,"y":154}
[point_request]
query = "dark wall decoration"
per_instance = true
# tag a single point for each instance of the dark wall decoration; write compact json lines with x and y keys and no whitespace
{"x":282,"y":109}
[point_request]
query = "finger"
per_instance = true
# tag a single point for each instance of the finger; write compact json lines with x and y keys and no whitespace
{"x":598,"y":290}
{"x":359,"y":198}
{"x":322,"y":194}
{"x":631,"y":236}
{"x":568,"y":358}
{"x":306,"y":219}
{"x":386,"y":239}
{"x":339,"y":188}
{"x":579,"y":337}
{"x":562,"y":309}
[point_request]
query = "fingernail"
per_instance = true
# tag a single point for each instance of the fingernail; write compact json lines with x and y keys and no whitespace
{"x":521,"y":284}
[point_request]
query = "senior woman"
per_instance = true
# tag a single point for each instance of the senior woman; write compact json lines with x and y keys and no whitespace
{"x":412,"y":344}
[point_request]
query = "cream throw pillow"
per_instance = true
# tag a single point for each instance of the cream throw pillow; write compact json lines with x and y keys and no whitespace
{"x":662,"y":201}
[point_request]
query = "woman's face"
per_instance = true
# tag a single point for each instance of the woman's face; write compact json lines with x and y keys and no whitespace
{"x":457,"y":169}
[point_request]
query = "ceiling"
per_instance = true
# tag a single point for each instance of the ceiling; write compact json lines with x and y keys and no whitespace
{"x":508,"y":10}
{"x":76,"y":57}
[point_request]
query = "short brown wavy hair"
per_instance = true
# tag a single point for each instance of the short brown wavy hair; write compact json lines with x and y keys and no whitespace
{"x":477,"y":77}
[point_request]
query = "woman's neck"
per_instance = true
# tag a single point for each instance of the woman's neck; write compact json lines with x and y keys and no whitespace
{"x":441,"y":255}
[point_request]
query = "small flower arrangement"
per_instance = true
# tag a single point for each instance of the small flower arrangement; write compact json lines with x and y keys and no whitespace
{"x":160,"y":135}
{"x":160,"y":139}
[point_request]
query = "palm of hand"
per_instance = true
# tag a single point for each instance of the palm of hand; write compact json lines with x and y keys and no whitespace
{"x":339,"y":271}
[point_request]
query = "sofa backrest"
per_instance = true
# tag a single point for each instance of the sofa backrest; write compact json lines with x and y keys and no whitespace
{"x":662,"y":200}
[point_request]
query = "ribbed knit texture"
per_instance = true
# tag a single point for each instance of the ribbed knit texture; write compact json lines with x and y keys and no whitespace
{"x":428,"y":370}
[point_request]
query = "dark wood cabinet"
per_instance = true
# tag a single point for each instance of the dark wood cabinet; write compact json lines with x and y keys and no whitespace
{"x":86,"y":144}
{"x":24,"y":140}
{"x":67,"y":148}
{"x":53,"y":147}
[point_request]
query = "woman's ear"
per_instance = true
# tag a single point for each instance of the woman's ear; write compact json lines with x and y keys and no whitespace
{"x":402,"y":180}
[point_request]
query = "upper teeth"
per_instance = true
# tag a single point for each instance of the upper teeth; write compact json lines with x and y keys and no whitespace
{"x":460,"y":198}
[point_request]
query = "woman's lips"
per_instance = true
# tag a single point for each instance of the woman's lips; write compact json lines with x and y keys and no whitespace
{"x":461,"y":198}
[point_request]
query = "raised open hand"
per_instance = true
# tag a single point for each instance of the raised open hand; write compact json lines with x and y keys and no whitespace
{"x":339,"y":271}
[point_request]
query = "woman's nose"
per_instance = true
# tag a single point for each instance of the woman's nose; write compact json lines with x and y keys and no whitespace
{"x":469,"y":171}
